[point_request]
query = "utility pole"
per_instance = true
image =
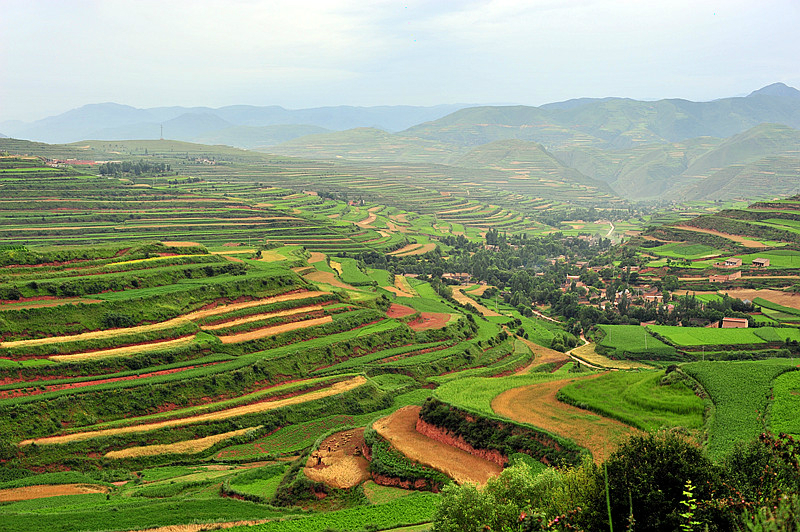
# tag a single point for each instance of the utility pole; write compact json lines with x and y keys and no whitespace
{"x":162,"y":131}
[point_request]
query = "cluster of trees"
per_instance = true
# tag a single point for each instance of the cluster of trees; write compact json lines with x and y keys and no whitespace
{"x":126,"y":168}
{"x":656,"y":481}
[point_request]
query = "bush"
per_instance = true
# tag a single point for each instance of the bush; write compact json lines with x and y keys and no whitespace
{"x":646,"y":478}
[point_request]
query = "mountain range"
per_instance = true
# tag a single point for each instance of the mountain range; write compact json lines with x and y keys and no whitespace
{"x":667,"y":149}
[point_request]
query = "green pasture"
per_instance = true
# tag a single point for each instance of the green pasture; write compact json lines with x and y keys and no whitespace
{"x":640,"y":399}
{"x":740,"y":392}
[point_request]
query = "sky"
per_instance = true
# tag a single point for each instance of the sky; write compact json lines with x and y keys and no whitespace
{"x":57,"y":55}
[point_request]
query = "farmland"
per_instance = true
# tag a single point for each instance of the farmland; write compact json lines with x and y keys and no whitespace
{"x":192,"y":340}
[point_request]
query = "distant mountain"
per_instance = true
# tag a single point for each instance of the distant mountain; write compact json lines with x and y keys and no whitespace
{"x":777,"y":89}
{"x":614,"y":123}
{"x":3,"y":136}
{"x":111,"y":121}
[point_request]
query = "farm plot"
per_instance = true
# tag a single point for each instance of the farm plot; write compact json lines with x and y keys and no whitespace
{"x":740,"y":393}
{"x":335,"y":389}
{"x":784,"y":411}
{"x":633,"y":341}
{"x":701,"y":336}
{"x":400,"y":430}
{"x":338,"y":461}
{"x":538,"y":405}
{"x":183,"y":447}
{"x":638,"y":399}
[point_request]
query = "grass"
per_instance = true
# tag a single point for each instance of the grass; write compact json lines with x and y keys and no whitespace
{"x":638,"y":399}
{"x":477,"y":393}
{"x":740,"y":393}
{"x":633,"y":339}
{"x":784,"y":412}
{"x":700,"y":336}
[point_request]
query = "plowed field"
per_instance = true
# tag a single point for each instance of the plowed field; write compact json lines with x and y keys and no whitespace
{"x":121,"y":351}
{"x":338,"y":461}
{"x":40,"y":492}
{"x":458,"y":295}
{"x":736,"y":238}
{"x":263,"y":406}
{"x":181,"y":447}
{"x":271,"y":331}
{"x":400,"y":429}
{"x":537,"y":404}
{"x":257,"y":317}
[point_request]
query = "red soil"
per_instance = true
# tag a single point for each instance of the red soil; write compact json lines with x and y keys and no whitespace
{"x":398,"y":311}
{"x":429,"y":320}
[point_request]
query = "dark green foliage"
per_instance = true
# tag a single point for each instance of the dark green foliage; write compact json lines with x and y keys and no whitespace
{"x":647,"y":476}
{"x":505,"y":437}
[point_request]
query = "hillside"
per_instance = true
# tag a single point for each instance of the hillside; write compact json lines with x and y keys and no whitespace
{"x":613,"y":122}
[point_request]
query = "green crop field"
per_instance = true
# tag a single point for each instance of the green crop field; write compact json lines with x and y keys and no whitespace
{"x":638,"y":399}
{"x":626,"y":340}
{"x":740,"y":392}
{"x":700,"y":336}
{"x":783,"y":415}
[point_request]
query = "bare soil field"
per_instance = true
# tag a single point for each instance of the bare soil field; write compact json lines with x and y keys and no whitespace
{"x":181,"y":447}
{"x":458,"y":295}
{"x":367,"y":222}
{"x":271,"y":331}
{"x":537,"y":404}
{"x":338,"y":461}
{"x":203,"y":313}
{"x":400,"y":429}
{"x":587,"y":352}
{"x":425,"y":248}
{"x":398,"y":311}
{"x":257,"y":317}
{"x":316,"y":256}
{"x":122,"y":351}
{"x":544,"y":355}
{"x":54,"y":490}
{"x":429,"y":320}
{"x":787,"y":299}
{"x":263,"y":406}
{"x":736,"y":238}
{"x":405,"y":249}
{"x":178,"y":244}
{"x":327,"y":278}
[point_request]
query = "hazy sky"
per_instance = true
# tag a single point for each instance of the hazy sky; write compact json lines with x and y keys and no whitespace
{"x":61,"y":54}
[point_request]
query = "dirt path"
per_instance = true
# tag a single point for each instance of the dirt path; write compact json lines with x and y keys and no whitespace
{"x":736,"y":238}
{"x":338,"y":461}
{"x":537,"y":404}
{"x":271,"y":331}
{"x":400,"y":429}
{"x":263,"y":406}
{"x":458,"y":295}
{"x":181,"y":447}
{"x":544,"y":355}
{"x":54,"y":490}
{"x":265,"y":316}
{"x":122,"y":351}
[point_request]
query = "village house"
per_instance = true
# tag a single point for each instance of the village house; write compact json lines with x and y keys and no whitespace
{"x":724,"y":278}
{"x":761,"y":263}
{"x":734,"y":323}
{"x":729,"y":263}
